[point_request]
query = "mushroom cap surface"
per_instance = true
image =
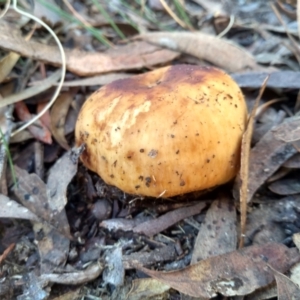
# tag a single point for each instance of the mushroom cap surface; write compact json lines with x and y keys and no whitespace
{"x":167,"y":132}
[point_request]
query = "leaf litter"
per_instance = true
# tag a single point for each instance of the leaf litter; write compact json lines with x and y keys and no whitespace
{"x":238,"y":273}
{"x":73,"y":243}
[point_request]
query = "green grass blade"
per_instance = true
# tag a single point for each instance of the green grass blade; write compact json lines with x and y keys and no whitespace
{"x":181,"y":11}
{"x":95,"y":32}
{"x":109,"y":19}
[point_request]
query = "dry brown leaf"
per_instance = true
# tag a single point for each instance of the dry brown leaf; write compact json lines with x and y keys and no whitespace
{"x":21,"y":137}
{"x":293,"y":162}
{"x":71,"y":118}
{"x":288,"y":186}
{"x":291,"y":134}
{"x":280,"y":79}
{"x":96,"y":80}
{"x":7,"y":63}
{"x":147,"y":288}
{"x":270,"y":153}
{"x":6,"y":89}
{"x":45,"y":118}
{"x":12,"y":209}
{"x":32,"y":91}
{"x":163,"y":222}
{"x":217,"y":234}
{"x":53,"y":234}
{"x":32,"y":193}
{"x":38,"y":129}
{"x":45,"y":202}
{"x":59,"y":113}
{"x":286,"y":289}
{"x":60,"y":175}
{"x":236,"y":273}
{"x":263,"y":222}
{"x":219,"y":52}
{"x":135,"y":55}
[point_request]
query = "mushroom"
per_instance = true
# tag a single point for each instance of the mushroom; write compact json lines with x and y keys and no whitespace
{"x":171,"y":131}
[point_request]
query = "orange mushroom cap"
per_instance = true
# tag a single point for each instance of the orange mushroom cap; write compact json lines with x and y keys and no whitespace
{"x":167,"y":132}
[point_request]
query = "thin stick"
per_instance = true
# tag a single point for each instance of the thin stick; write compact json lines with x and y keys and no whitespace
{"x":244,"y":171}
{"x":173,"y":15}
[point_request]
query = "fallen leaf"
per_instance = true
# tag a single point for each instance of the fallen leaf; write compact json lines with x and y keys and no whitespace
{"x":286,"y":289}
{"x":292,"y":132}
{"x":220,"y":52}
{"x":269,"y":154}
{"x":60,"y":175}
{"x":10,"y":60}
{"x":53,"y":235}
{"x":265,"y":222}
{"x":59,"y":113}
{"x":97,"y":80}
{"x":279,"y":79}
{"x":293,"y":162}
{"x":288,"y":186}
{"x":39,"y":131}
{"x":22,"y":136}
{"x":32,"y":193}
{"x":45,"y":118}
{"x":217,"y":234}
{"x":31,"y":91}
{"x":147,"y":288}
{"x":236,"y":273}
{"x":7,"y":63}
{"x":135,"y":55}
{"x":161,"y":223}
{"x":71,"y":118}
{"x":12,"y":209}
